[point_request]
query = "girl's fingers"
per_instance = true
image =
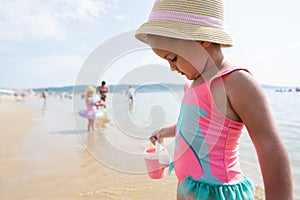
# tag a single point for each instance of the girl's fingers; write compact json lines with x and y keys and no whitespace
{"x":153,"y":139}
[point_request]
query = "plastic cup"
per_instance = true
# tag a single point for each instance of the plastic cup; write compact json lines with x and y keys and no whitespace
{"x":155,"y":169}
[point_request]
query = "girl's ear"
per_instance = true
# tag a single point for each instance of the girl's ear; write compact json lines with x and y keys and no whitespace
{"x":205,"y":44}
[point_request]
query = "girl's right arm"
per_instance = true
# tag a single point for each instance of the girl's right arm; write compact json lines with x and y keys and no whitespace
{"x":162,"y":133}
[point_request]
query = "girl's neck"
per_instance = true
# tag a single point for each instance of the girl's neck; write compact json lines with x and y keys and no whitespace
{"x":213,"y":66}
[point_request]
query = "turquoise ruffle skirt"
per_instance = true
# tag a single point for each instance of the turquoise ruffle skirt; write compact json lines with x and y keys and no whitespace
{"x":192,"y":189}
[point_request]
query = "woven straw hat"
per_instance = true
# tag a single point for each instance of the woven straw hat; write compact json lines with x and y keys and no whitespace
{"x":199,"y":20}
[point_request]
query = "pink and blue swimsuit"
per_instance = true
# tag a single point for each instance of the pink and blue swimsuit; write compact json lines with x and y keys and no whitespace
{"x":206,"y":158}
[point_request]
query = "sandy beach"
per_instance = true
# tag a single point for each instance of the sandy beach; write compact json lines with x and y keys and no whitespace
{"x":16,"y":120}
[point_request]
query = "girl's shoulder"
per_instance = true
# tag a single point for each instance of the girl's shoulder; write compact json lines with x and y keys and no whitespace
{"x":234,"y":78}
{"x":242,"y":88}
{"x":234,"y":70}
{"x":238,"y":77}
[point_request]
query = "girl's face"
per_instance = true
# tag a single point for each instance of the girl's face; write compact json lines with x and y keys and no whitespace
{"x":179,"y":64}
{"x":186,"y":57}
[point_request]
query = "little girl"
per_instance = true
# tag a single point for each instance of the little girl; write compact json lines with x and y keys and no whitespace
{"x":91,"y":100}
{"x":219,"y":102}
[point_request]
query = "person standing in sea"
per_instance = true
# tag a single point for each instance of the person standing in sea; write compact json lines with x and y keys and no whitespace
{"x":130,"y":92}
{"x":103,"y":90}
{"x":45,"y":94}
{"x":91,"y":101}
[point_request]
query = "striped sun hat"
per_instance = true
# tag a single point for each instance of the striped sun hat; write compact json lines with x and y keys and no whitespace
{"x":199,"y":20}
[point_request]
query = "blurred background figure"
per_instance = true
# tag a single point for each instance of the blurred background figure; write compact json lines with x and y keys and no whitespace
{"x":103,"y":90}
{"x":91,"y":100}
{"x":45,"y":94}
{"x":130,"y":94}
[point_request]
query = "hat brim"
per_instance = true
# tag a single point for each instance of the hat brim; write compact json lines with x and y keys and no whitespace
{"x":183,"y":31}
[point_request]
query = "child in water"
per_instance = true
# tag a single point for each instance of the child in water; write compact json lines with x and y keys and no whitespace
{"x":91,"y":101}
{"x":219,"y":102}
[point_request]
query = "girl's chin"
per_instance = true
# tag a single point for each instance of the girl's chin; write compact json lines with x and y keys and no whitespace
{"x":191,"y":78}
{"x":188,"y":77}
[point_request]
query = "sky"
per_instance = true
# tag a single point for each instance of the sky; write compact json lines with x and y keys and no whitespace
{"x":45,"y":43}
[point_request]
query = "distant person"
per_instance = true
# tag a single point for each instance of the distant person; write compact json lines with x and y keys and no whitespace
{"x":101,"y":103}
{"x":103,"y":90}
{"x":45,"y":94}
{"x":130,"y":94}
{"x":91,"y":101}
{"x":220,"y":101}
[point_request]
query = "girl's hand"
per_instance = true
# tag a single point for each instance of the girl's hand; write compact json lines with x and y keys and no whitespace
{"x":160,"y":134}
{"x":157,"y":136}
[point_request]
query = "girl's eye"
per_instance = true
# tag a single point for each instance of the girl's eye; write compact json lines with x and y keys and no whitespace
{"x":174,"y":59}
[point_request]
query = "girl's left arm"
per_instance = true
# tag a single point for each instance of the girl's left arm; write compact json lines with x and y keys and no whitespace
{"x":248,"y":101}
